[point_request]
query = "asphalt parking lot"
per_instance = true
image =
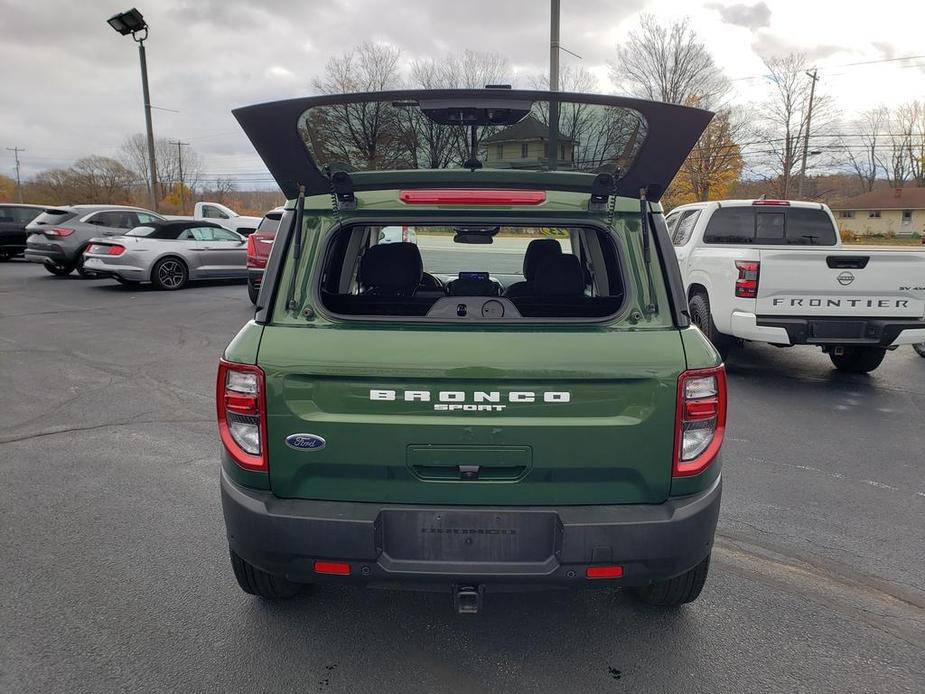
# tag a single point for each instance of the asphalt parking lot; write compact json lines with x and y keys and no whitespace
{"x":114,"y":573}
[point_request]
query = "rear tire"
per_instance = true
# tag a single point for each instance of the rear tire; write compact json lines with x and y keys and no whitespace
{"x":79,"y":266}
{"x":170,"y":274}
{"x":858,"y":360}
{"x":699,"y":306}
{"x":258,"y":582}
{"x":253,"y":292}
{"x":58,"y":270}
{"x":920,"y":349}
{"x":675,"y":591}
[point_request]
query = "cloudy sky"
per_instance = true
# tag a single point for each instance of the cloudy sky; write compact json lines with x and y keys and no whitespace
{"x":71,"y":87}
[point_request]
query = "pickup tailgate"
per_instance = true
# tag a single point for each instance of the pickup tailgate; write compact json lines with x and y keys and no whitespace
{"x":842,"y":282}
{"x":458,"y":416}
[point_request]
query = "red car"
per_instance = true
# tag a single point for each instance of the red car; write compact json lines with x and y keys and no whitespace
{"x":259,"y":245}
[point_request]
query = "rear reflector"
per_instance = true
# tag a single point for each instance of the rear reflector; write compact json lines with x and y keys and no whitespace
{"x":772,"y":203}
{"x":593,"y":572}
{"x":332,"y":568}
{"x":472,"y":197}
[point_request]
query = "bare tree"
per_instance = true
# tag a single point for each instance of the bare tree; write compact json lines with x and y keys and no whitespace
{"x":864,"y":155}
{"x":910,"y":120}
{"x":134,"y":155}
{"x":467,"y":70}
{"x":783,"y":126}
{"x":92,"y":179}
{"x":668,"y":63}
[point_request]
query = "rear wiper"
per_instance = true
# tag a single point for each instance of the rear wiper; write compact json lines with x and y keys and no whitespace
{"x":296,"y":224}
{"x":651,"y":308}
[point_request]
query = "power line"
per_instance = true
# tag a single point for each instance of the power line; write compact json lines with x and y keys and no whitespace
{"x":16,"y":151}
{"x":857,"y":64}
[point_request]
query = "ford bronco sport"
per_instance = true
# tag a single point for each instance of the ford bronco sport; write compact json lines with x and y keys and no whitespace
{"x":513,"y":395}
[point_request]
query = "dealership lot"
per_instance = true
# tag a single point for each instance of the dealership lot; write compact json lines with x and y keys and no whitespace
{"x":115,"y":573}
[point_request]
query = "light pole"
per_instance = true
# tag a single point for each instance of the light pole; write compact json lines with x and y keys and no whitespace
{"x":131,"y":22}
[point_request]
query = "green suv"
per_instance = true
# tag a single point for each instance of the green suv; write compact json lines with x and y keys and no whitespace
{"x":504,"y":390}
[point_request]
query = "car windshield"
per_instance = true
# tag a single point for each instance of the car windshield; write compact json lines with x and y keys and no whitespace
{"x":141,"y":231}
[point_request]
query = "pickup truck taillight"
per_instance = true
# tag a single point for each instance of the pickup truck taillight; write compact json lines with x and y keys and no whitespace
{"x":701,"y":419}
{"x":242,"y":418}
{"x":747,"y":284}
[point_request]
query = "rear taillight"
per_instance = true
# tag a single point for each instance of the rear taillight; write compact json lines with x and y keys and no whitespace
{"x":104,"y":249}
{"x":58,"y":232}
{"x":242,"y":420}
{"x":251,"y":248}
{"x":747,"y":283}
{"x":466,"y":196}
{"x":701,"y":419}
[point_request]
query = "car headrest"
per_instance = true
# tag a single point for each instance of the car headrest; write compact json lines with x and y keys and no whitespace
{"x":537,"y":251}
{"x":559,"y":275}
{"x":394,"y":267}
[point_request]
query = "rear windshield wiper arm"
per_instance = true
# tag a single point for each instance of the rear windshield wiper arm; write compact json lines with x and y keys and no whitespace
{"x":296,"y":225}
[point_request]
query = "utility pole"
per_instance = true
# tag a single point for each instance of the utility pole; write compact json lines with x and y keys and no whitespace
{"x":180,"y":145}
{"x":552,"y":154}
{"x":809,"y":117}
{"x":16,"y":151}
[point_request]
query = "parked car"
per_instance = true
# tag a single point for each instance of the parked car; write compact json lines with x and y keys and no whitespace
{"x":775,"y":271}
{"x":386,"y":421}
{"x":259,"y":245}
{"x":13,"y":221}
{"x":220,"y":214}
{"x":169,"y":254}
{"x":397,"y":234}
{"x":59,"y":236}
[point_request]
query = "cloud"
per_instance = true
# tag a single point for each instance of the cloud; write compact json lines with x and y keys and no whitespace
{"x":749,"y":16}
{"x":770,"y":45}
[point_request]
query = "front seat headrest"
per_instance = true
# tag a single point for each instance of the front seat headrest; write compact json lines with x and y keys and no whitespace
{"x":559,"y":275}
{"x":395,"y":268}
{"x":537,"y":251}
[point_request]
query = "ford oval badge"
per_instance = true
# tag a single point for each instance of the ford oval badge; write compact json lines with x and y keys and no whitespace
{"x":305,"y":442}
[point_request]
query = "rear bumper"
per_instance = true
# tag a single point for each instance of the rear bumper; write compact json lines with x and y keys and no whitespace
{"x":845,"y":331}
{"x":394,"y":544}
{"x":110,"y":269}
{"x":48,"y":253}
{"x":12,"y":241}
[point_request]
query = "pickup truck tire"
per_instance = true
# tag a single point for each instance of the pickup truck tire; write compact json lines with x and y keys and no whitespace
{"x":675,"y":591}
{"x":703,"y":319}
{"x":252,"y":292}
{"x":256,"y":582}
{"x":858,"y":360}
{"x":920,"y":349}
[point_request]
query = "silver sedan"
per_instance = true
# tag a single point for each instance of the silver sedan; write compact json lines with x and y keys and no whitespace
{"x":169,"y":254}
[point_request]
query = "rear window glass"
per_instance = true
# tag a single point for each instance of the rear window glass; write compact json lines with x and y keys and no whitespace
{"x":451,"y":272}
{"x":369,"y":135}
{"x":270,"y":223}
{"x":794,"y":226}
{"x":53,"y":216}
{"x":684,"y":227}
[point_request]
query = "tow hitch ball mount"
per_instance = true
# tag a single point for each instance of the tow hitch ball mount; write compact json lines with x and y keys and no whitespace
{"x":467,"y":599}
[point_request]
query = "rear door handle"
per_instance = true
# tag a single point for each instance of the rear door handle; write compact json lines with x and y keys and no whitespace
{"x":845,"y":262}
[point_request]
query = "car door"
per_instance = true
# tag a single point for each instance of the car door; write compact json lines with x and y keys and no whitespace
{"x":226,"y":252}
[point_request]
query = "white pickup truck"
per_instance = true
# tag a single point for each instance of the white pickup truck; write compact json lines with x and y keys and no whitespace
{"x":220,"y":214}
{"x":775,"y":271}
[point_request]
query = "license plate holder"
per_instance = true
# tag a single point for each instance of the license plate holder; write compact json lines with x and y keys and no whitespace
{"x":834,"y":330}
{"x":469,"y":536}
